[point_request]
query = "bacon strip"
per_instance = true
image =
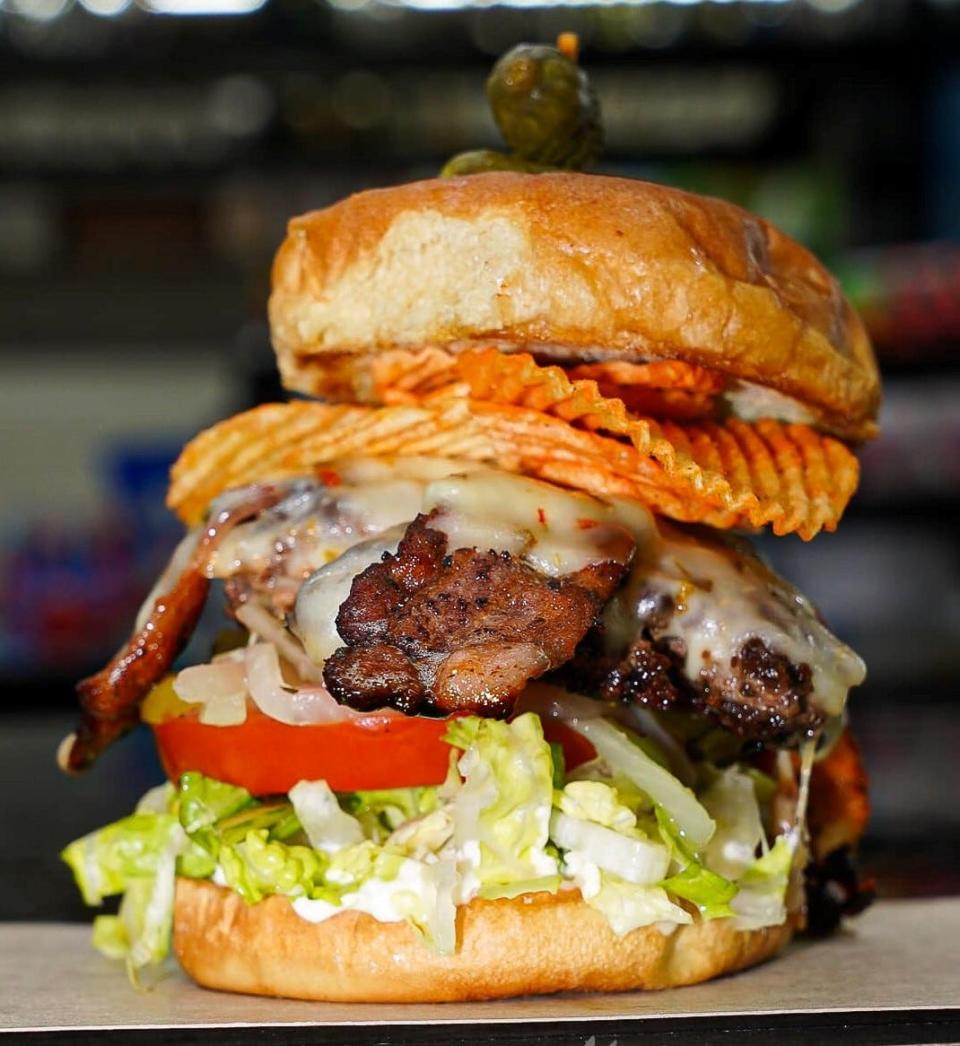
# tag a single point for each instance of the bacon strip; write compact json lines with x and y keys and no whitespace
{"x":109,"y":700}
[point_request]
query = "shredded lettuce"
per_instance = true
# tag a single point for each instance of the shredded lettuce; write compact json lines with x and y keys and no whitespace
{"x":137,"y":857}
{"x":352,"y":866}
{"x":731,"y":800}
{"x":596,"y":801}
{"x":258,"y":866}
{"x":424,"y":835}
{"x":327,"y":826}
{"x":545,"y":884}
{"x":559,"y":764}
{"x":501,"y":813}
{"x":105,"y":862}
{"x":161,"y":799}
{"x":203,"y":801}
{"x":763,"y":887}
{"x":625,"y":756}
{"x":625,"y":905}
{"x":507,"y":821}
{"x":693,"y":881}
{"x":711,"y":893}
{"x":382,"y":811}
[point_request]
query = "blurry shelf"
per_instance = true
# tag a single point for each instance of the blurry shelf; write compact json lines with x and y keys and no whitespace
{"x":115,"y":307}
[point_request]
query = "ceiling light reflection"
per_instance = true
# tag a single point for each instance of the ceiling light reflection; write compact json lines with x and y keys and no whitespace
{"x":105,"y":8}
{"x":201,"y":7}
{"x":39,"y":10}
{"x":458,"y":5}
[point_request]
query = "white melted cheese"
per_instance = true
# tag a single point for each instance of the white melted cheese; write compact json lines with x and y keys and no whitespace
{"x":320,"y":596}
{"x":318,"y":521}
{"x":556,"y":531}
{"x":724,"y":596}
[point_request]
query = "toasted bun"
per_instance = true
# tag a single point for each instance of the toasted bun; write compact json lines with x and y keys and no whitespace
{"x":570,"y":267}
{"x":534,"y":944}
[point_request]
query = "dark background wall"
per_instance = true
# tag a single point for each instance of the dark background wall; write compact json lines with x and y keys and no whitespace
{"x":148,"y":162}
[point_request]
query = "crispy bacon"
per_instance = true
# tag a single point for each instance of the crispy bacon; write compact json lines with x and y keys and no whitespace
{"x":109,"y":699}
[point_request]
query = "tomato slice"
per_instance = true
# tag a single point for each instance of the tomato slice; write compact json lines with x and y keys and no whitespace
{"x":268,"y":757}
{"x":576,"y":748}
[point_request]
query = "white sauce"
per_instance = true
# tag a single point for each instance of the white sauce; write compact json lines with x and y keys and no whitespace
{"x":413,"y":889}
{"x":724,"y":597}
{"x":751,"y":402}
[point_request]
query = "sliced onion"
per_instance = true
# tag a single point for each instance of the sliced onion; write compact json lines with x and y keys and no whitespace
{"x":226,"y":710}
{"x":262,"y":623}
{"x":636,"y":860}
{"x":295,"y":706}
{"x":220,"y":688}
{"x":205,"y":682}
{"x":646,"y":722}
{"x":554,"y":702}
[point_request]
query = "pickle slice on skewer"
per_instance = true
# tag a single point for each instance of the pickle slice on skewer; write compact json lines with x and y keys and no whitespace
{"x":546,"y":110}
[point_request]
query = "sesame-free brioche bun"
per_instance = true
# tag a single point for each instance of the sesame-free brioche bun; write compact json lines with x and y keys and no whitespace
{"x":533,"y":944}
{"x":572,"y":268}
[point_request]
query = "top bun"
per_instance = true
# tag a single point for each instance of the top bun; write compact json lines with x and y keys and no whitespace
{"x":570,"y":267}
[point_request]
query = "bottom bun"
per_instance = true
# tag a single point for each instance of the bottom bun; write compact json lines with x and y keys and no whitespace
{"x":533,"y":944}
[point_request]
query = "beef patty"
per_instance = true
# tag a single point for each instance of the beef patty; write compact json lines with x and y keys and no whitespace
{"x":463,"y":631}
{"x":760,"y":695}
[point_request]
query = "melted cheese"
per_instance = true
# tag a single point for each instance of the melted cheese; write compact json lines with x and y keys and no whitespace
{"x":752,"y":402}
{"x":724,"y":596}
{"x":320,"y":596}
{"x":556,"y":531}
{"x":317,"y":521}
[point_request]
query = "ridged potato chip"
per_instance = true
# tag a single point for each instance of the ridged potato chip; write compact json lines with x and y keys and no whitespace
{"x":729,"y":475}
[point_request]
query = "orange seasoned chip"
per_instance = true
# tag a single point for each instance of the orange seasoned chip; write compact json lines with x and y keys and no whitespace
{"x":657,"y":374}
{"x":659,"y":389}
{"x":729,"y":475}
{"x":402,"y":376}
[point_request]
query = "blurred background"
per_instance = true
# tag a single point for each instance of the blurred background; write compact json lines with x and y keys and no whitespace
{"x":150,"y":154}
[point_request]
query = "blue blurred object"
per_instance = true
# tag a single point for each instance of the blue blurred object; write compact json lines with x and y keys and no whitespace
{"x":68,"y":592}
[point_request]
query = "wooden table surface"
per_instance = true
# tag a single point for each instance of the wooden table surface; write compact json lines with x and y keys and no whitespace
{"x":892,"y":976}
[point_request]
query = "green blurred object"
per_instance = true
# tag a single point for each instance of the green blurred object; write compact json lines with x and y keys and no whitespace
{"x":545,"y":107}
{"x":477,"y":161}
{"x":546,"y":110}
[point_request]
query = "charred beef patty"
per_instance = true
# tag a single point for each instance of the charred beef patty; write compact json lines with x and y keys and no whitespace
{"x":458,"y":632}
{"x":761,"y":695}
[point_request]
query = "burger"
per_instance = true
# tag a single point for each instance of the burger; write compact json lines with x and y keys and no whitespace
{"x":508,"y":704}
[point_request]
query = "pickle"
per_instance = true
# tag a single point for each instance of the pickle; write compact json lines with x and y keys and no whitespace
{"x":479,"y":160}
{"x":545,"y":107}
